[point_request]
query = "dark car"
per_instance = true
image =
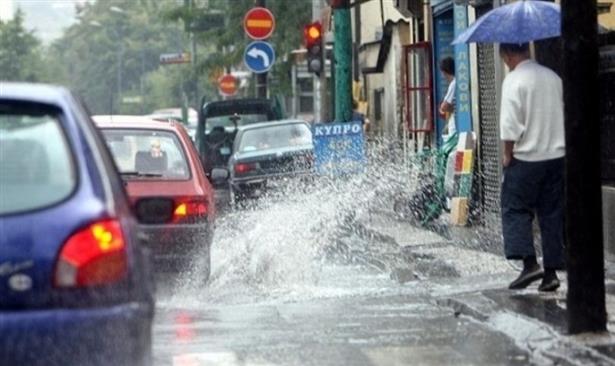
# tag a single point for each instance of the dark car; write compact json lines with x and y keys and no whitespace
{"x":158,"y":159}
{"x":217,"y":126}
{"x":75,"y":285}
{"x":266,"y":152}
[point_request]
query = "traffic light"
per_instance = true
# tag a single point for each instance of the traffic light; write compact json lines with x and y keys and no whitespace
{"x":312,"y":34}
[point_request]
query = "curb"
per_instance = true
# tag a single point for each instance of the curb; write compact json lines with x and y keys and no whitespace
{"x":541,"y":341}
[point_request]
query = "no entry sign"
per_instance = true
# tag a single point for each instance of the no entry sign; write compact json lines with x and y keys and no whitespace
{"x":259,"y":23}
{"x":227,"y":85}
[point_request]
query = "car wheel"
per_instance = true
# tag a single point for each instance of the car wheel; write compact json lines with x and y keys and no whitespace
{"x":143,"y":353}
{"x":232,"y":196}
{"x":235,"y":197}
{"x":207,"y":263}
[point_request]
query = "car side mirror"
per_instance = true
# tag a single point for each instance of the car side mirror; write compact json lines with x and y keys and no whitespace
{"x":219,"y":174}
{"x":154,"y":210}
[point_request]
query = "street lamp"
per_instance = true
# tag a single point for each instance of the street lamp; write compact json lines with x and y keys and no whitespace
{"x":120,"y":52}
{"x":120,"y":55}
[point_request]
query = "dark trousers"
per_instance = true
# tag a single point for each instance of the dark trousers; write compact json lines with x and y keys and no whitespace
{"x":528,"y":189}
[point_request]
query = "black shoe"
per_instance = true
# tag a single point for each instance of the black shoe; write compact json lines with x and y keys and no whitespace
{"x":549,"y":284}
{"x":526,"y":278}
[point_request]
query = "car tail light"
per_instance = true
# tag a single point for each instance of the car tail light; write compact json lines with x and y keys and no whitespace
{"x":243,"y":168}
{"x":190,"y":210}
{"x":93,"y":256}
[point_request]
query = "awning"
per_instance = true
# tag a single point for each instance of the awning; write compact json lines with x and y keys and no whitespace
{"x":441,"y":6}
{"x":383,"y":53}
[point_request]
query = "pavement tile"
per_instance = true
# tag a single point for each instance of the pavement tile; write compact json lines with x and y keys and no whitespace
{"x":535,"y":321}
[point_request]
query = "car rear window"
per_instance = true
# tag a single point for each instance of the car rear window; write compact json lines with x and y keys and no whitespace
{"x":275,"y":137}
{"x":145,"y":153}
{"x":227,"y":122}
{"x":36,"y":165}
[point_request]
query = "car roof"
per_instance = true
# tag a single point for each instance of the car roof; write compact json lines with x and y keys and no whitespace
{"x":133,"y":122}
{"x":239,"y":106}
{"x":37,"y":93}
{"x":176,"y":113}
{"x":272,"y":123}
{"x":238,"y":101}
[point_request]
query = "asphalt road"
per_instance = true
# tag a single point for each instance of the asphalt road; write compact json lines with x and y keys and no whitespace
{"x":355,"y":316}
{"x":291,"y":287}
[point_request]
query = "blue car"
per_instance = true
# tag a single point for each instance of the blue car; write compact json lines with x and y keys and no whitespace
{"x":75,"y":285}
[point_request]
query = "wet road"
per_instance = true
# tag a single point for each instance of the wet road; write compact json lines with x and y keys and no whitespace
{"x":300,"y":281}
{"x":353,"y":316}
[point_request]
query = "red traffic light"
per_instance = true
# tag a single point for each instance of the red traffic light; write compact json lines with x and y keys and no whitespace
{"x":312,"y":34}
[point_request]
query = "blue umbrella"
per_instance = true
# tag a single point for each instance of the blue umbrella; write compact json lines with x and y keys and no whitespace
{"x":519,"y":22}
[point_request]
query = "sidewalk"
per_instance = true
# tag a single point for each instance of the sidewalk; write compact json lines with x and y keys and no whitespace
{"x":535,"y":321}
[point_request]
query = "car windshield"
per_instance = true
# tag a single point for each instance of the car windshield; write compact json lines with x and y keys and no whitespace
{"x":36,"y":167}
{"x":227,"y":121}
{"x":146,"y":153}
{"x":275,"y":137}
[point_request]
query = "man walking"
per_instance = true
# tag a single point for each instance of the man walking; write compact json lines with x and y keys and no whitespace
{"x":532,"y":131}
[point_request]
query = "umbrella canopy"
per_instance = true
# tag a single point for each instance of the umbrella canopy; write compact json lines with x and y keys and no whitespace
{"x":519,"y":22}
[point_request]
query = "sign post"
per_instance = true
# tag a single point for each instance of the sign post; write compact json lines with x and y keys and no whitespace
{"x":259,"y":57}
{"x":227,"y":84}
{"x":175,"y":58}
{"x":463,"y":103}
{"x":259,"y":23}
{"x":339,"y":148}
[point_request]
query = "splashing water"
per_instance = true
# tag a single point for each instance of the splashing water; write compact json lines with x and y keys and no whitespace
{"x":286,"y":241}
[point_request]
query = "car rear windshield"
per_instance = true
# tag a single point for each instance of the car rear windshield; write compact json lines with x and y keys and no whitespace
{"x":275,"y":137}
{"x":36,"y":165}
{"x":145,"y":153}
{"x":227,"y":122}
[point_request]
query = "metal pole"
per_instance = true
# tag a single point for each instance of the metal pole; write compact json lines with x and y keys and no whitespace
{"x":120,"y":66}
{"x":141,"y":86}
{"x":193,"y":60}
{"x":295,"y":109}
{"x":343,"y":62}
{"x":357,"y":42}
{"x":584,"y":235}
{"x":261,"y":79}
{"x":318,"y":101}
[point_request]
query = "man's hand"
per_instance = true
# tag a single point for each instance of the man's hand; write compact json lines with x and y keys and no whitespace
{"x":506,"y":161}
{"x":508,"y":153}
{"x":446,"y":107}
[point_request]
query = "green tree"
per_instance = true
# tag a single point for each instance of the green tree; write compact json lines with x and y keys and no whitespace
{"x":227,"y":43}
{"x":109,"y":54}
{"x":20,"y":58}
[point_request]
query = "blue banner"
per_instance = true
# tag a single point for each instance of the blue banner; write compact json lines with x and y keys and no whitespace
{"x":463,"y":102}
{"x":443,"y":36}
{"x":339,"y":148}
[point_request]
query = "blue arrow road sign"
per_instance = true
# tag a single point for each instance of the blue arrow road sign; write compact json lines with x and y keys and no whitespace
{"x":259,"y":56}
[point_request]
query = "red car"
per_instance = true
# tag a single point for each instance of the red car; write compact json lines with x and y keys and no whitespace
{"x":158,"y":159}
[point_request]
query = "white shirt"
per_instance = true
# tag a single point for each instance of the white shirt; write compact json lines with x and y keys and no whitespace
{"x":450,"y":99}
{"x":450,"y":93}
{"x":532,"y":112}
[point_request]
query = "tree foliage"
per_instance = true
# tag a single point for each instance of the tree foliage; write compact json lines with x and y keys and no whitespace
{"x":110,"y":54}
{"x":113,"y":51}
{"x":20,"y":54}
{"x":228,"y":42}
